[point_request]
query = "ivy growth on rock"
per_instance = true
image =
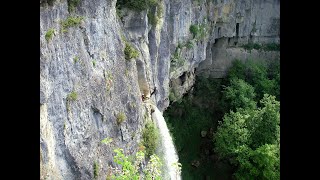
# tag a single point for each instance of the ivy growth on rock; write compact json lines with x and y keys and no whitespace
{"x":50,"y":33}
{"x":95,"y":170}
{"x":130,"y":52}
{"x":71,"y":21}
{"x":72,"y":4}
{"x":121,"y":117}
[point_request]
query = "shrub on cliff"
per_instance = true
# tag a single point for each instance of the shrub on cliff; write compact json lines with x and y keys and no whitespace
{"x":137,"y":5}
{"x":150,"y":138}
{"x":130,"y":52}
{"x":130,"y":168}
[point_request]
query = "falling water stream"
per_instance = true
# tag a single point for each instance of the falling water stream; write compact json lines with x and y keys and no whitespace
{"x":166,"y":148}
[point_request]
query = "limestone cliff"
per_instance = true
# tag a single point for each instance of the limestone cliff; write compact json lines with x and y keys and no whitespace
{"x":86,"y":82}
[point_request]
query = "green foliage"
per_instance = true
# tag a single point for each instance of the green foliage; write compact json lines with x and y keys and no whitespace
{"x":71,"y":21}
{"x":265,"y":78}
{"x":194,"y":29}
{"x":237,"y":70}
{"x":177,"y":166}
{"x":239,"y":94}
{"x":159,"y":9}
{"x":94,"y":63}
{"x":130,"y":52}
{"x":198,"y":31}
{"x":180,"y":46}
{"x":176,"y":59}
{"x":251,"y":46}
{"x":231,"y":134}
{"x":107,"y":140}
{"x":121,"y":117}
{"x":249,"y":139}
{"x":129,"y":171}
{"x":203,"y":31}
{"x":264,"y":47}
{"x":137,"y":5}
{"x":190,"y":44}
{"x":172,"y":96}
{"x":272,"y":47}
{"x":185,"y":120}
{"x":72,"y":96}
{"x":120,"y":13}
{"x":150,"y":137}
{"x":262,"y":163}
{"x":248,"y":136}
{"x":50,"y":2}
{"x":153,"y":169}
{"x":75,"y":59}
{"x":153,"y":19}
{"x":95,"y":170}
{"x":72,"y":4}
{"x":274,"y":75}
{"x":265,"y":125}
{"x":49,"y":34}
{"x":127,"y":72}
{"x":130,"y":168}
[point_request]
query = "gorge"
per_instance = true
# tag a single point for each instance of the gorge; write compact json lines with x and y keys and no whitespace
{"x":99,"y":57}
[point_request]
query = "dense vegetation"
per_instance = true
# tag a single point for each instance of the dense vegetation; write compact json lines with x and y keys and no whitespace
{"x":186,"y":119}
{"x":137,"y":5}
{"x":130,"y":52}
{"x":130,"y":168}
{"x":264,"y":47}
{"x":230,"y":126}
{"x":145,"y":164}
{"x":150,"y":136}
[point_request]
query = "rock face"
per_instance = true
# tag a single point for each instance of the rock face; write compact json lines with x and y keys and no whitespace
{"x":85,"y":80}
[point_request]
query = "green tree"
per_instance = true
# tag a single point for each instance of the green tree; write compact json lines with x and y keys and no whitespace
{"x":129,"y":170}
{"x":274,"y":74}
{"x":250,"y":139}
{"x":265,"y":124}
{"x":237,"y":70}
{"x":262,"y":163}
{"x":137,"y":5}
{"x":239,"y":94}
{"x":264,"y":77}
{"x":231,"y":133}
{"x":152,"y":170}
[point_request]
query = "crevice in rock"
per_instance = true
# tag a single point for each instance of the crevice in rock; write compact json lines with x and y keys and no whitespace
{"x":71,"y":162}
{"x":97,"y":116}
{"x":237,"y":30}
{"x":183,"y":78}
{"x":86,"y":43}
{"x":142,"y":79}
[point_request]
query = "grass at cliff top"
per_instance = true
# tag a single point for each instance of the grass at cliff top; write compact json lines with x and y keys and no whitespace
{"x":186,"y":120}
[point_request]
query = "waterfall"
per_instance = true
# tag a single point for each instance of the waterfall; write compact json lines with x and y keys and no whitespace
{"x":166,"y":148}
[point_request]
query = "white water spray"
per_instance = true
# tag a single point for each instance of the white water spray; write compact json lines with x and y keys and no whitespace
{"x":166,"y":148}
